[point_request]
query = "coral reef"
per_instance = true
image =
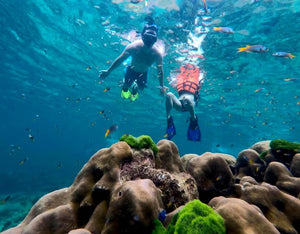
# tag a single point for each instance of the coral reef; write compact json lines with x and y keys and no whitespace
{"x":137,"y":186}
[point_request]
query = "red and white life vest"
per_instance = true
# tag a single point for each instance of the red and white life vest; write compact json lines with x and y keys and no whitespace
{"x":188,"y":79}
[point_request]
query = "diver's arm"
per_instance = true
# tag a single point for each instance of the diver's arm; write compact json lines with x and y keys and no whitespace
{"x":160,"y":74}
{"x":118,"y":61}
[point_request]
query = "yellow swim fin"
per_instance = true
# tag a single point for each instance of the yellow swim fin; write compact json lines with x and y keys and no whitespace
{"x":125,"y":94}
{"x":134,"y":97}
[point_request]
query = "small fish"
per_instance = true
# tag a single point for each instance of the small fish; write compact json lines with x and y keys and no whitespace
{"x":106,"y":89}
{"x":58,"y":165}
{"x":283,"y":54}
{"x":253,"y":48}
{"x":112,"y":129}
{"x":4,"y":200}
{"x":23,"y":161}
{"x":88,"y":68}
{"x":250,"y":161}
{"x":31,"y":137}
{"x":101,"y":112}
{"x":218,"y":178}
{"x":290,"y":79}
{"x":171,"y":202}
{"x":223,"y":29}
{"x":258,"y":90}
{"x":162,"y":215}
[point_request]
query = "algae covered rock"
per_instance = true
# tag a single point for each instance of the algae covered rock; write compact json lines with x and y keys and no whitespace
{"x":197,"y":217}
{"x":141,"y":142}
{"x":280,"y":144}
{"x":282,"y":151}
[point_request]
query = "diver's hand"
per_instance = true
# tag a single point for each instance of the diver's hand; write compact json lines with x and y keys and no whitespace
{"x":103,"y":74}
{"x":163,"y":90}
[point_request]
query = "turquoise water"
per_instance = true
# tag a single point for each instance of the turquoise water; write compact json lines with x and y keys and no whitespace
{"x":50,"y":99}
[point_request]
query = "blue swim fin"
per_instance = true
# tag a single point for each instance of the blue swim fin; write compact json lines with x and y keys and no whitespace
{"x":193,"y":133}
{"x":171,"y":130}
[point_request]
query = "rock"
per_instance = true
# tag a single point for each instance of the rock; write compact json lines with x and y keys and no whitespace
{"x":186,"y":158}
{"x":248,"y":179}
{"x":261,"y":146}
{"x":279,"y":208}
{"x":168,"y":157}
{"x":212,"y":174}
{"x":279,"y":175}
{"x":295,"y":165}
{"x":244,"y":216}
{"x":248,"y":163}
{"x":177,"y":188}
{"x":284,"y":151}
{"x":59,"y":220}
{"x":137,"y":203}
{"x":127,"y":187}
{"x":80,"y":231}
{"x":70,"y":208}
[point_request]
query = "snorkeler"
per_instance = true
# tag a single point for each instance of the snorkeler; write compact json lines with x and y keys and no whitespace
{"x":188,"y":84}
{"x":143,"y":54}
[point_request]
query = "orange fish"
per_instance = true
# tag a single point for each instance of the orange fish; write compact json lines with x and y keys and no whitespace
{"x":106,"y":89}
{"x":223,"y":29}
{"x":253,"y":48}
{"x":196,"y":55}
{"x":112,"y":129}
{"x":88,"y":68}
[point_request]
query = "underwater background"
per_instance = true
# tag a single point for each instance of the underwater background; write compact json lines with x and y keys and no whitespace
{"x":55,"y":110}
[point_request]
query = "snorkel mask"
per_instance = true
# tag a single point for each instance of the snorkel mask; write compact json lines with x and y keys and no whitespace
{"x":149,"y":34}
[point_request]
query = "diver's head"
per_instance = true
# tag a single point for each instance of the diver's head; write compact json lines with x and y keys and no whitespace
{"x":149,"y":34}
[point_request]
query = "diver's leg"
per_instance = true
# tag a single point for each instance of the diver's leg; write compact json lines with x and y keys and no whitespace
{"x":128,"y":79}
{"x":125,"y":93}
{"x":189,"y":105}
{"x":172,"y":101}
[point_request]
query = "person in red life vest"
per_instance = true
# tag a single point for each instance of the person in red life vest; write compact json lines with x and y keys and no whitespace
{"x":188,"y":84}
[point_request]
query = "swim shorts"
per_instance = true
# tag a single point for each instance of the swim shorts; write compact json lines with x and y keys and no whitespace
{"x":131,"y":76}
